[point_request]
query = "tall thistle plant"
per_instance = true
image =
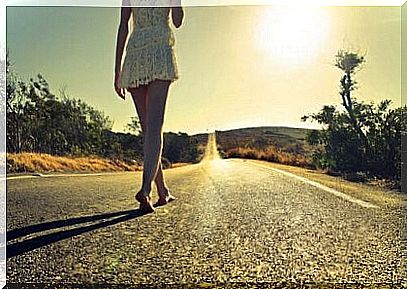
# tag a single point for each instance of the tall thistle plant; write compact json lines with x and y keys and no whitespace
{"x":350,"y":63}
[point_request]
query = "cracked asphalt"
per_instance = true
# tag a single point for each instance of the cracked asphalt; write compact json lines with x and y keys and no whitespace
{"x":232,"y":221}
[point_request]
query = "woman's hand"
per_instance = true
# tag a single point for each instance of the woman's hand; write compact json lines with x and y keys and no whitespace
{"x":177,"y":13}
{"x":121,"y":39}
{"x":120,"y":91}
{"x":175,"y":3}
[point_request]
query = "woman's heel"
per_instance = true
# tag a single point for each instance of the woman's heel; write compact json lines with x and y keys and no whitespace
{"x":145,"y":203}
{"x":163,"y":200}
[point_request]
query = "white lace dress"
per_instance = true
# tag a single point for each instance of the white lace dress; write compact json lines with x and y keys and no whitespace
{"x":149,"y":50}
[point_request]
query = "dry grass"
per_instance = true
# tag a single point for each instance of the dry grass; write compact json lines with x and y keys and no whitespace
{"x":177,"y":165}
{"x":36,"y":162}
{"x":271,"y":154}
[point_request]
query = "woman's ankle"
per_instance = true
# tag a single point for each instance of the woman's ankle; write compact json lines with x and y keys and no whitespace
{"x":143,"y":193}
{"x":163,"y":191}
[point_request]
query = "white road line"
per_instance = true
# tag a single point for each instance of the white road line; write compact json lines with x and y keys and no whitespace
{"x":39,"y":175}
{"x":18,"y":177}
{"x":58,"y":175}
{"x":322,"y":187}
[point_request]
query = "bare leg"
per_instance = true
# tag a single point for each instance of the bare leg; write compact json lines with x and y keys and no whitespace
{"x":140,"y":101}
{"x":139,"y":95}
{"x":155,"y":103}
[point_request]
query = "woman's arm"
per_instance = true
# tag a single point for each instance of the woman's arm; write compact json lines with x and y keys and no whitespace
{"x":121,"y":39}
{"x":177,"y":13}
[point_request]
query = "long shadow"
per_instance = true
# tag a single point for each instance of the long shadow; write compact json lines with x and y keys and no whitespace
{"x":37,"y":242}
{"x":20,"y":232}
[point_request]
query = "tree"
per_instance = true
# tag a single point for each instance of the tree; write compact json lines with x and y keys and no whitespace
{"x":37,"y":121}
{"x":16,"y":105}
{"x":134,"y":126}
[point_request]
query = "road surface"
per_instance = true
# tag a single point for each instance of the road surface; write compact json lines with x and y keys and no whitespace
{"x":233,"y":221}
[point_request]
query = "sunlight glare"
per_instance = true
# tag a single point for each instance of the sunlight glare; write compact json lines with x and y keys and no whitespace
{"x":293,"y":35}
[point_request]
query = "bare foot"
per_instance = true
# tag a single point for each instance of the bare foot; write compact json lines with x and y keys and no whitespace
{"x":145,"y":202}
{"x":164,"y":198}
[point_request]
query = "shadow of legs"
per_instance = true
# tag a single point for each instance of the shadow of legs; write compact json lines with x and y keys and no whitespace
{"x":20,"y":232}
{"x":37,"y":242}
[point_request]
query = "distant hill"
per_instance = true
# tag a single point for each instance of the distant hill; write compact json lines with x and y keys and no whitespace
{"x":285,"y":138}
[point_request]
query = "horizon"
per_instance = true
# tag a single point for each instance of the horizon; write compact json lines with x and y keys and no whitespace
{"x":232,"y":129}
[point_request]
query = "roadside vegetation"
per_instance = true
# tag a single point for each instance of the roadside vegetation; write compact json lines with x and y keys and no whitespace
{"x":270,"y":154}
{"x":282,"y":145}
{"x":40,"y":162}
{"x":359,"y":140}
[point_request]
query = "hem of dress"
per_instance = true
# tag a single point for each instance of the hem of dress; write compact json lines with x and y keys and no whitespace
{"x":141,"y":83}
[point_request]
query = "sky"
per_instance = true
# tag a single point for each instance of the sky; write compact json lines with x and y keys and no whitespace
{"x":239,"y":66}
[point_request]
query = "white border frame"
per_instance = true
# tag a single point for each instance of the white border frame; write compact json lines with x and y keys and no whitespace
{"x":117,"y":3}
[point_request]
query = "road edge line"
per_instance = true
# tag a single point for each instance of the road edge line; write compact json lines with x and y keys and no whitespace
{"x":322,"y":187}
{"x":38,"y":175}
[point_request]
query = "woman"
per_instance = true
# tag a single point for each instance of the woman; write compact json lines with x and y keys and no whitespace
{"x":148,"y":69}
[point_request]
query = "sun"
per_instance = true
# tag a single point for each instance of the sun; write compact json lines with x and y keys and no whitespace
{"x":292,"y":35}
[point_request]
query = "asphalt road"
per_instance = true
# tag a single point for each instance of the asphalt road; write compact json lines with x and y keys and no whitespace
{"x":233,"y":220}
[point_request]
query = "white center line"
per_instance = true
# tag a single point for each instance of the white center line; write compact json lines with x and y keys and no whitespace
{"x":322,"y":187}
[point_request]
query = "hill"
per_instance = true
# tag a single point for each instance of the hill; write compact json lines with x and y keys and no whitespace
{"x":284,"y":138}
{"x":278,"y":144}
